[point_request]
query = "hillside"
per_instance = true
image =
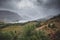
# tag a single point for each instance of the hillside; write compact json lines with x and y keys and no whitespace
{"x":52,"y":27}
{"x":48,"y":29}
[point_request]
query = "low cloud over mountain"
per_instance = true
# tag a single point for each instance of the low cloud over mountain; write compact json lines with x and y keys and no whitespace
{"x":8,"y":16}
{"x":32,"y":9}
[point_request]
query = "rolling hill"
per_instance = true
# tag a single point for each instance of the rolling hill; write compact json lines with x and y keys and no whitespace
{"x":7,"y":16}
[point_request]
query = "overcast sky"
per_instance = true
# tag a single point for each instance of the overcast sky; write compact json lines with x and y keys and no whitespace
{"x":32,"y":9}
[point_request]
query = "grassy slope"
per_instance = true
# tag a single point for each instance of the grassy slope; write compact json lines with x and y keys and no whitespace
{"x":55,"y":20}
{"x":19,"y":28}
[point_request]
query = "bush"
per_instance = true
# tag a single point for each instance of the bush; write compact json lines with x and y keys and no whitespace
{"x":38,"y":24}
{"x":51,"y":25}
{"x":6,"y":36}
{"x":39,"y":35}
{"x":58,"y":35}
{"x":29,"y":33}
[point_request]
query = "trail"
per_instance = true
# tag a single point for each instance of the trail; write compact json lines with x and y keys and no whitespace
{"x":41,"y":27}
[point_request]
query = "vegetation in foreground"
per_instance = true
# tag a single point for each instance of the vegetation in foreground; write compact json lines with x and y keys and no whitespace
{"x":49,"y":30}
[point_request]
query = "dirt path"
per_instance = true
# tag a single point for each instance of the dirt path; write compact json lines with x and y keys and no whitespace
{"x":41,"y":27}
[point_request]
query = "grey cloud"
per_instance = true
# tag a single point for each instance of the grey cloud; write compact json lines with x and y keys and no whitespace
{"x":50,"y":3}
{"x":37,"y":8}
{"x":9,"y":16}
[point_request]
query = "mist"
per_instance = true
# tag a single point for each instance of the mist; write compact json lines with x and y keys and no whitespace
{"x":32,"y":9}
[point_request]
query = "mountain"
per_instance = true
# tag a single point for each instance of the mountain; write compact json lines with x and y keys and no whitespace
{"x":8,"y":16}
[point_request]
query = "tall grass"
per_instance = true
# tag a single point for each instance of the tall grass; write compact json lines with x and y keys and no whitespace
{"x":29,"y":33}
{"x":6,"y":35}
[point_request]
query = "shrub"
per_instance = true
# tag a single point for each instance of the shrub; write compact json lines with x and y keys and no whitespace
{"x":29,"y":33}
{"x":38,"y":24}
{"x":51,"y":25}
{"x":39,"y":35}
{"x":58,"y":35}
{"x":6,"y":35}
